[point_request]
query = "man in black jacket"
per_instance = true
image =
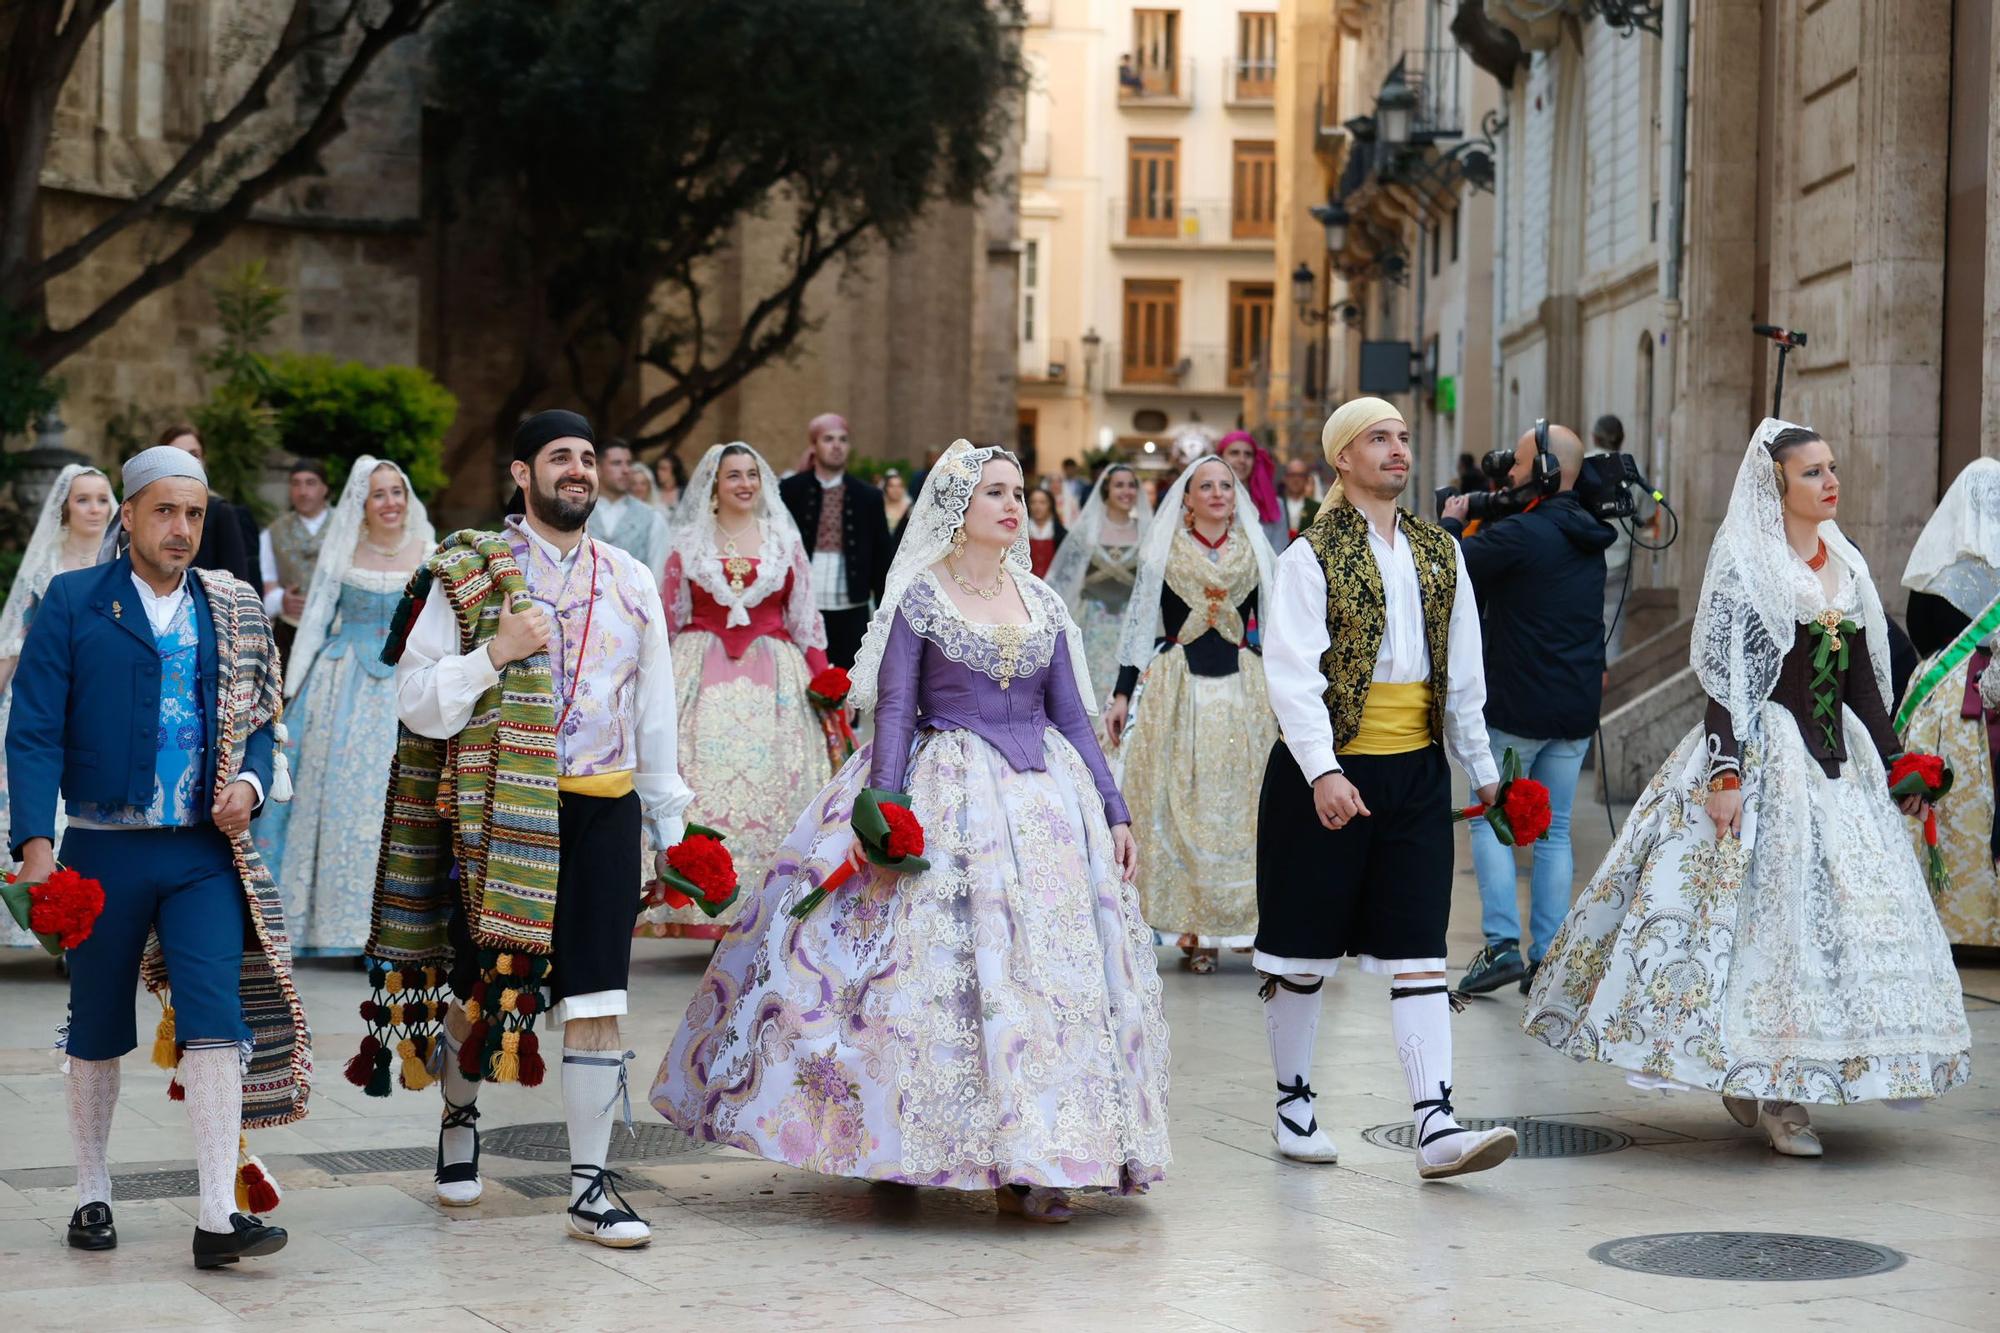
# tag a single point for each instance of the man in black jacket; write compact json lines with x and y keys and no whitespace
{"x":846,"y":534}
{"x":1539,"y":576}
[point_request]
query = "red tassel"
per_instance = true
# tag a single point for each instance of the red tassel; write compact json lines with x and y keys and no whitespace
{"x":472,"y":1053}
{"x":362,"y":1066}
{"x":175,"y":1092}
{"x":533,"y":1067}
{"x":263,"y":1196}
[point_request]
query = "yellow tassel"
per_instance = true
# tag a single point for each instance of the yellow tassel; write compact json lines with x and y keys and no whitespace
{"x":415,"y":1077}
{"x":396,"y":1014}
{"x":504,"y":964}
{"x":472,"y":1011}
{"x":393,"y":982}
{"x":507,"y":1064}
{"x":507,"y":1000}
{"x":165,"y":1053}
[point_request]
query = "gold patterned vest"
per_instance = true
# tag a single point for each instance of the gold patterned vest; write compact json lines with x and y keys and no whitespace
{"x":296,"y":548}
{"x":1357,"y":612}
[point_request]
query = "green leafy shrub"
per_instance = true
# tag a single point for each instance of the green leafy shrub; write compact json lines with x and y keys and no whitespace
{"x":336,"y":411}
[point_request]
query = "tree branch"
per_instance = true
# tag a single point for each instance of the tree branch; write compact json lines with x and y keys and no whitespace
{"x":51,"y":346}
{"x":294,"y":40}
{"x":41,"y":53}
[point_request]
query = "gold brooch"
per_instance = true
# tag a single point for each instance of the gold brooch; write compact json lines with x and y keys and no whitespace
{"x":117,"y":611}
{"x":1829,"y":621}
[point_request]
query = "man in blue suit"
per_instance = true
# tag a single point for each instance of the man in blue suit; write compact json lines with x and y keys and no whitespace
{"x":136,"y":703}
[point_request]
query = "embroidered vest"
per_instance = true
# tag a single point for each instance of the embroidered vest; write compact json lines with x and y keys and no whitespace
{"x":599,"y":734}
{"x":1357,"y":612}
{"x":180,"y":782}
{"x":296,"y":548}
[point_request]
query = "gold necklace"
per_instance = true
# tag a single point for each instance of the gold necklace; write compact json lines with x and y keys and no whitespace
{"x":389,"y":553}
{"x":729,"y":546}
{"x":983,"y":594}
{"x":736,"y":567}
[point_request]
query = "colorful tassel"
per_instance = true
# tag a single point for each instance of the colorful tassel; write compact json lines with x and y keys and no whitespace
{"x":415,"y":1076}
{"x":507,"y":1065}
{"x":472,"y":1053}
{"x":256,"y":1188}
{"x":363,"y":1063}
{"x":175,"y":1092}
{"x":533,"y":1069}
{"x":166,"y":1054}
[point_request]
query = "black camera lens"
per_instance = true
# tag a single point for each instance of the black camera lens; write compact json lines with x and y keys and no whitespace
{"x":1497,"y":464}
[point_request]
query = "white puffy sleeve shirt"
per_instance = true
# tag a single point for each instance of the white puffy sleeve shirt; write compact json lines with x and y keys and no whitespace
{"x":1296,"y":634}
{"x":437,"y":687}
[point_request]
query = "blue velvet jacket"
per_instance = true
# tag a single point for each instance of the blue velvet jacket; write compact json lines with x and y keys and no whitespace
{"x":86,"y":715}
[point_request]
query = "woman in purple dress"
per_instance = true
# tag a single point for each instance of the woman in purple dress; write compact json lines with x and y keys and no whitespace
{"x":995,"y":1021}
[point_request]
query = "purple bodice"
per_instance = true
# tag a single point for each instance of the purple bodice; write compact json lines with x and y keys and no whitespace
{"x":943,"y":673}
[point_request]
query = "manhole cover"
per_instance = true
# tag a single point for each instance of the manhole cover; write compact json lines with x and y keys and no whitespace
{"x":1747,"y":1256}
{"x":155,"y":1185}
{"x":370,"y":1160}
{"x":538,"y":1187}
{"x":1539,"y":1138}
{"x":548,"y":1141}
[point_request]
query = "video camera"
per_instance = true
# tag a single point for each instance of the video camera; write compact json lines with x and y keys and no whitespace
{"x":1604,"y":486}
{"x":1490,"y":504}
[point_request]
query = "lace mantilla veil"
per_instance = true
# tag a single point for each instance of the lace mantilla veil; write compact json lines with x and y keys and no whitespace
{"x":43,"y":558}
{"x":1144,"y":626}
{"x":1757,"y":591}
{"x":336,"y":557}
{"x":937,"y":513}
{"x":1957,"y":557}
{"x":694,"y":537}
{"x":1071,"y":567}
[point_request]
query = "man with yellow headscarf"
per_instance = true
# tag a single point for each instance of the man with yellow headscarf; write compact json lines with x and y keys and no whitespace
{"x":1371,"y":652}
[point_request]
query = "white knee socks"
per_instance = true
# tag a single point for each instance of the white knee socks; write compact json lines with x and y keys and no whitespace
{"x":458,"y":1091}
{"x":1291,"y":1021}
{"x":593,"y":1082}
{"x":213,"y":1078}
{"x":1420,"y":1016}
{"x":92,"y":1090}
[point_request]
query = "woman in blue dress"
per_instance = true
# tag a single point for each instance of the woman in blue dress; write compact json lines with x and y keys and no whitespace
{"x":340,"y":713}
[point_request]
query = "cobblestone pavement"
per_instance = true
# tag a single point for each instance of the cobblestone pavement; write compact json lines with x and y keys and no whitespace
{"x":1235,"y":1238}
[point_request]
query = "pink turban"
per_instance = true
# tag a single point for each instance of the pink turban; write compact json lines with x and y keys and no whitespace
{"x":1263,"y":482}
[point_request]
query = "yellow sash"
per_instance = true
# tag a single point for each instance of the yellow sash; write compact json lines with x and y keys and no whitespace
{"x":1395,"y":719}
{"x":598,"y":784}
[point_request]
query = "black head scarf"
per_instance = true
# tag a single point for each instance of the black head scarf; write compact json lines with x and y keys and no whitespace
{"x":538,"y":431}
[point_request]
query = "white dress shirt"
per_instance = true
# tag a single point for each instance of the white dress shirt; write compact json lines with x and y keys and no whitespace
{"x":267,"y":560}
{"x":830,"y":567}
{"x":437,"y":687}
{"x":1296,"y":634}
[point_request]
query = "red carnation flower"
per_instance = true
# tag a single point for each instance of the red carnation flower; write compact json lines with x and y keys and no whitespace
{"x":1526,"y":806}
{"x":831,"y":685}
{"x":705,"y":863}
{"x":66,"y":905}
{"x":906,"y":835}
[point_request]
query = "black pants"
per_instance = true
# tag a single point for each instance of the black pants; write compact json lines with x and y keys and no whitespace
{"x":844,"y":630}
{"x":1381,"y":885}
{"x":597,"y":900}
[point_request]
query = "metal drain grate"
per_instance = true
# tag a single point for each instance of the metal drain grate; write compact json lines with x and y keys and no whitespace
{"x":548,"y":1141}
{"x":367,"y":1161}
{"x":538,"y":1187}
{"x":155,"y":1185}
{"x":1747,"y":1256}
{"x":1539,"y":1138}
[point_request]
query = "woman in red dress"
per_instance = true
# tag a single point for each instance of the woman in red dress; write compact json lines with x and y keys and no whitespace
{"x":1045,"y":530}
{"x":747,"y":642}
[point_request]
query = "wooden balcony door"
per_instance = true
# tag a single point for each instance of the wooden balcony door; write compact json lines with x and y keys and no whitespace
{"x":1151,"y":346}
{"x":1253,"y":207}
{"x":1256,"y":57}
{"x":1152,"y":186}
{"x":1156,"y":50}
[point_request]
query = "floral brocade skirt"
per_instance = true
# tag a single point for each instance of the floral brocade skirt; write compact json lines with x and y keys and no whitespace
{"x":1970,"y":908}
{"x":1800,"y":962}
{"x":1193,"y":766}
{"x":752,"y":749}
{"x":995,"y":1020}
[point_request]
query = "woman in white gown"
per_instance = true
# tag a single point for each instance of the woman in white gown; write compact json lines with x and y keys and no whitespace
{"x":993,"y":1022}
{"x":1762,"y":927}
{"x":69,"y":534}
{"x":340,"y":713}
{"x":1098,"y":563}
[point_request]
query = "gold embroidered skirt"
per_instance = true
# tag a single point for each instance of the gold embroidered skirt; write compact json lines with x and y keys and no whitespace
{"x":1194,"y":762}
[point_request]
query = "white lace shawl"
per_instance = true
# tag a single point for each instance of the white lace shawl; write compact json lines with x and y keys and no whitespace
{"x":42,"y":561}
{"x":936,"y":618}
{"x":1144,"y":625}
{"x":1082,"y":547}
{"x":1957,"y":556}
{"x":697,"y":552}
{"x":938,"y":513}
{"x":1757,"y":591}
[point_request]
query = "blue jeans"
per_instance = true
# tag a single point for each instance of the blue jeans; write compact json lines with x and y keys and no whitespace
{"x":1555,"y":764}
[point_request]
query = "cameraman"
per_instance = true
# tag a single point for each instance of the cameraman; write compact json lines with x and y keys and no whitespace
{"x":1539,"y":576}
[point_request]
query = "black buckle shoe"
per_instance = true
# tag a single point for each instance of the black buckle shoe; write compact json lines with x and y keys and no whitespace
{"x":247,"y":1237}
{"x":90,"y":1228}
{"x":1492,"y":967}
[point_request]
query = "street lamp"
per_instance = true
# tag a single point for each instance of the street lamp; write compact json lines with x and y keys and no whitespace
{"x":1332,"y":215}
{"x":1395,"y":107}
{"x":1304,"y":287}
{"x":1091,"y":343}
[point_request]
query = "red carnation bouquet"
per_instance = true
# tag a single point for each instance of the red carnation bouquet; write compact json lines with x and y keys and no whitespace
{"x":1521,"y":814}
{"x":700,"y":873}
{"x":1929,"y":776}
{"x":828,"y":691}
{"x":60,"y":910}
{"x":890,"y":836}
